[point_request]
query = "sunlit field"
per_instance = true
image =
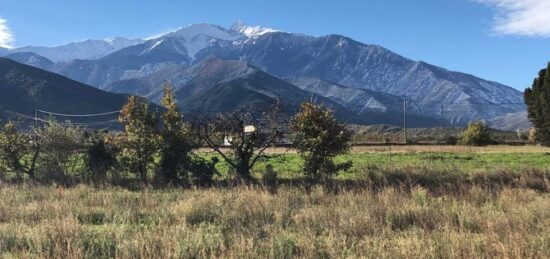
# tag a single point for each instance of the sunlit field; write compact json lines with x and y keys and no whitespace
{"x":450,"y":159}
{"x":424,"y":203}
{"x":392,"y":222}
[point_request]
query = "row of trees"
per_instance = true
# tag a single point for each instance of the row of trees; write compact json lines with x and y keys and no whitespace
{"x":160,"y":148}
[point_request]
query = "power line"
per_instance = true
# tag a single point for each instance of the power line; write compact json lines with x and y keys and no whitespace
{"x":77,"y":115}
{"x":82,"y":124}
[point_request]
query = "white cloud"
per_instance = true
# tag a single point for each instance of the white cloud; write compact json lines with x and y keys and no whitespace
{"x":521,"y":17}
{"x":6,"y":36}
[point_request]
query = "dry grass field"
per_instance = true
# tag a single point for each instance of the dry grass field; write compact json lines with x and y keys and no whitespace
{"x":83,"y":222}
{"x":407,"y":202}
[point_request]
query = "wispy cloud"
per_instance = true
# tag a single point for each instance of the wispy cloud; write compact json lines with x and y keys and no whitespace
{"x":6,"y":36}
{"x":521,"y":17}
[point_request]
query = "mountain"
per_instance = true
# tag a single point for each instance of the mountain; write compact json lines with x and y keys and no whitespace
{"x":511,"y":122}
{"x":31,"y":59}
{"x":3,"y":51}
{"x":360,"y":101}
{"x":214,"y":86}
{"x":88,"y":49}
{"x":454,"y":96}
{"x":366,"y":74}
{"x":251,"y":31}
{"x":175,"y":48}
{"x":25,"y":88}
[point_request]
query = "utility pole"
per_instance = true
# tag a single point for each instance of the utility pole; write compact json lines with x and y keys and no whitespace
{"x":36,"y":117}
{"x":405,"y":120}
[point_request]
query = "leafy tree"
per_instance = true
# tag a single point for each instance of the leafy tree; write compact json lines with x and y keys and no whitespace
{"x":59,"y":159}
{"x":319,"y":138}
{"x":246,"y":135}
{"x":476,"y":134}
{"x":18,"y":152}
{"x":537,"y":99}
{"x":140,"y":140}
{"x":175,"y":151}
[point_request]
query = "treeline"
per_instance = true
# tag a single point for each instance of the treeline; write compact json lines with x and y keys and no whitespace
{"x":160,"y":148}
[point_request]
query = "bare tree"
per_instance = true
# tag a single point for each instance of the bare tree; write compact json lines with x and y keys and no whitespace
{"x":240,"y":138}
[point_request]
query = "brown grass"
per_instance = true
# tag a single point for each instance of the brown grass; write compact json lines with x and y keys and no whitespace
{"x":83,"y":222}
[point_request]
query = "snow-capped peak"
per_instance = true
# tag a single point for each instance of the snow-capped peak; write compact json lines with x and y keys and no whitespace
{"x":197,"y":37}
{"x":205,"y":29}
{"x":251,"y":31}
{"x":119,"y":42}
{"x":85,"y":49}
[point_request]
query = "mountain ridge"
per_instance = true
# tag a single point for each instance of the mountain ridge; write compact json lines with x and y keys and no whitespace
{"x":430,"y":90}
{"x":86,"y":49}
{"x":24,"y":89}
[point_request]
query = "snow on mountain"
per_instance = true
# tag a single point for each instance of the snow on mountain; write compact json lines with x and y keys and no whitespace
{"x":196,"y":37}
{"x":87,"y":49}
{"x":251,"y":31}
{"x":358,"y":100}
{"x":361,"y":77}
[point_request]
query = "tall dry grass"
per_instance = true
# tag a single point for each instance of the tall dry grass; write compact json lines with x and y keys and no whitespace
{"x":83,"y":222}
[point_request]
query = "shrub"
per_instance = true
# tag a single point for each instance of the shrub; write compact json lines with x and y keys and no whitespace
{"x":269,"y":179}
{"x":203,"y":171}
{"x":17,"y":154}
{"x":319,"y":138}
{"x":59,"y":158}
{"x":477,"y":134}
{"x":100,"y":156}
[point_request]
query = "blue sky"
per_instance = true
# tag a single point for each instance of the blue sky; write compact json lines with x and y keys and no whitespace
{"x":506,"y":41}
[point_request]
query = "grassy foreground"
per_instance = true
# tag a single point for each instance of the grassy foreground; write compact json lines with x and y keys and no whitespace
{"x":250,"y":223}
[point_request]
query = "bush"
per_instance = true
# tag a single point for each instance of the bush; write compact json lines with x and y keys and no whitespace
{"x":477,"y":134}
{"x":59,"y":159}
{"x":319,"y":138}
{"x":269,"y":179}
{"x":16,"y":154}
{"x":100,"y":156}
{"x":203,"y":171}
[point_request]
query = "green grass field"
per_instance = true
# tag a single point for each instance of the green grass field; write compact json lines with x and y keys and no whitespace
{"x":289,"y":165}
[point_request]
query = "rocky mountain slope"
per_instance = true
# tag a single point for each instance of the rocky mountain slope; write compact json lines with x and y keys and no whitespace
{"x":214,"y":86}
